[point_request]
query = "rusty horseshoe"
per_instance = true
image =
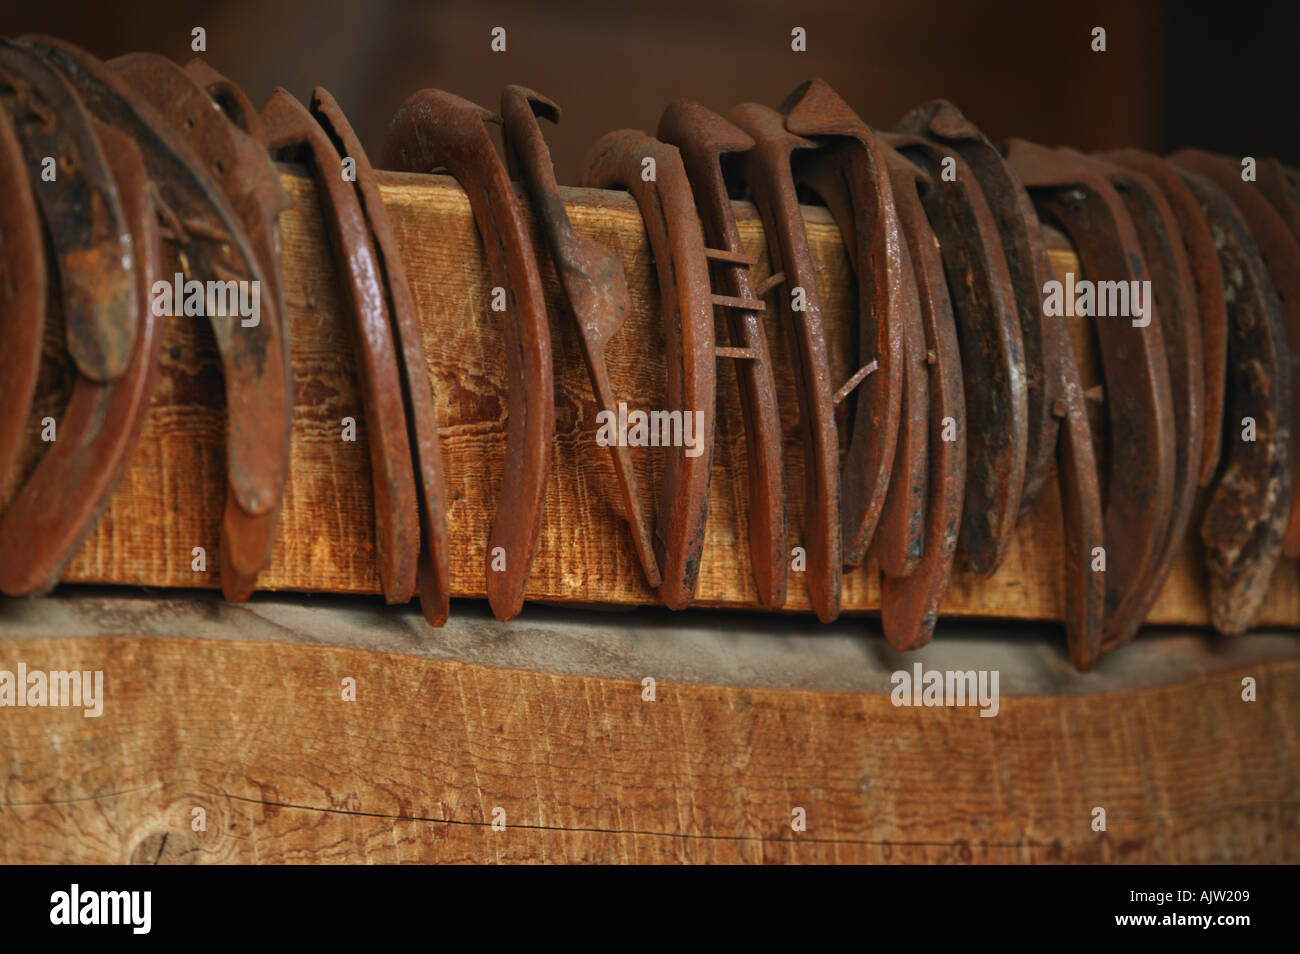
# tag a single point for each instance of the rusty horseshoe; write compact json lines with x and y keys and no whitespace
{"x":766,"y":170}
{"x":591,"y":277}
{"x":436,"y":129}
{"x":686,"y":311}
{"x":207,"y":237}
{"x":1073,"y":191}
{"x":1026,"y":255}
{"x":1246,"y":519}
{"x":703,"y":138}
{"x":883,"y":480}
{"x":993,"y":360}
{"x":58,"y":506}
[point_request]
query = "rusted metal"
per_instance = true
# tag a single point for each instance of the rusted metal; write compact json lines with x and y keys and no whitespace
{"x":85,"y":222}
{"x":1175,"y":300}
{"x":1082,"y":519}
{"x":53,"y":512}
{"x":591,"y":277}
{"x":909,"y":605}
{"x":207,"y":239}
{"x":241,"y":167}
{"x":686,"y":312}
{"x":1280,"y":251}
{"x":703,"y":138}
{"x":294,"y":133}
{"x":993,"y":361}
{"x":883,"y":480}
{"x":433,"y":578}
{"x":766,"y":169}
{"x":1246,"y":517}
{"x":436,"y":129}
{"x":1210,"y":305}
{"x":230,"y":99}
{"x":22,"y":295}
{"x":1073,"y":191}
{"x":1026,"y":257}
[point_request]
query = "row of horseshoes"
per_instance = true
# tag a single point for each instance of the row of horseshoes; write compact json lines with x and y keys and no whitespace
{"x":967,"y":398}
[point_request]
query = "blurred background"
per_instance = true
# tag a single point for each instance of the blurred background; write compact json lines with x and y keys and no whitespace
{"x":1220,"y":76}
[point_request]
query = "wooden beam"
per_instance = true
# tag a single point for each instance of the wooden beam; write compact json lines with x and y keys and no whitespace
{"x":239,"y":711}
{"x":171,"y":498}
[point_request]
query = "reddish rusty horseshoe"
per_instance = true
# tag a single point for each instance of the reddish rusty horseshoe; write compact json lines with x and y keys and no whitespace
{"x":417,"y":384}
{"x":766,"y":169}
{"x":1180,"y":328}
{"x":208,"y":238}
{"x":22,"y":295}
{"x":883,"y":480}
{"x":1280,"y":251}
{"x":294,"y":133}
{"x":436,"y":129}
{"x":703,"y":138}
{"x":86,"y":224}
{"x":1211,"y":308}
{"x":58,"y":506}
{"x":591,"y":277}
{"x":1246,"y":518}
{"x":993,"y":361}
{"x":686,"y":308}
{"x":909,"y":605}
{"x":1069,"y":189}
{"x":1026,"y":256}
{"x":242,"y":169}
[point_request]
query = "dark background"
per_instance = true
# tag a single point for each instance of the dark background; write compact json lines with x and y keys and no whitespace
{"x":1222,"y":76}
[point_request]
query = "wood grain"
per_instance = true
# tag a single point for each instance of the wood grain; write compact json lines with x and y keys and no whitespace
{"x":171,"y":498}
{"x":256,"y":733}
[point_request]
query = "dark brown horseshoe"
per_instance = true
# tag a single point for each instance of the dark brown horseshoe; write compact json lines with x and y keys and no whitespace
{"x":1026,"y":256}
{"x":1281,"y":254}
{"x":766,"y":169}
{"x":22,"y":295}
{"x":59,"y":504}
{"x":292,"y":131}
{"x":1208,"y":277}
{"x":703,"y":138}
{"x":1247,"y":515}
{"x":417,"y":384}
{"x":86,"y":224}
{"x":1082,"y":519}
{"x":883,"y":480}
{"x":686,"y":306}
{"x":591,"y":277}
{"x":242,"y":169}
{"x":1069,"y":188}
{"x":993,"y":360}
{"x":909,"y":605}
{"x":1180,"y":328}
{"x":207,"y":237}
{"x":436,"y":129}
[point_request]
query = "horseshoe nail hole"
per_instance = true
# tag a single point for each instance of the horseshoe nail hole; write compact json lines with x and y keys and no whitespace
{"x":221,"y":167}
{"x":189,"y":124}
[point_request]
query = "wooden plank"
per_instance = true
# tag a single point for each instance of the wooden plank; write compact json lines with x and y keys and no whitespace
{"x":247,"y":722}
{"x":172,"y":496}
